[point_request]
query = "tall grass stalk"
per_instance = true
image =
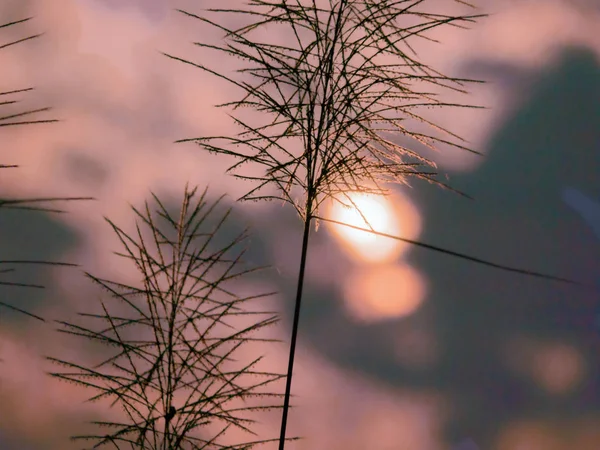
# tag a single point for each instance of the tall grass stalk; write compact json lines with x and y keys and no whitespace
{"x":175,"y":369}
{"x":334,"y":99}
{"x":348,"y":81}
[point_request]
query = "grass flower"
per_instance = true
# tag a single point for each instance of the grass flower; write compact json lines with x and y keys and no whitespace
{"x":341,"y":96}
{"x":175,"y":368}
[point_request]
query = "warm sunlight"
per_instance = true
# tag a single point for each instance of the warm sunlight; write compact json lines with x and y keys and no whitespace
{"x":383,"y":214}
{"x":383,"y":292}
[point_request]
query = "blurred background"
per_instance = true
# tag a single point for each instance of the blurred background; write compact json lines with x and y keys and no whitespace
{"x":400,"y":347}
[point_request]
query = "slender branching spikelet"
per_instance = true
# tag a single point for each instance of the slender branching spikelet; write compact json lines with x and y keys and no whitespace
{"x":347,"y":81}
{"x":175,"y":367}
{"x":9,"y":100}
{"x":332,"y":98}
{"x":15,"y":118}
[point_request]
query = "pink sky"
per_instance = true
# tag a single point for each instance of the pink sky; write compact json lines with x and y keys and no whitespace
{"x":122,"y":104}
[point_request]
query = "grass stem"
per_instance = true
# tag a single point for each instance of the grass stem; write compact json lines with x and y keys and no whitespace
{"x":290,"y":370}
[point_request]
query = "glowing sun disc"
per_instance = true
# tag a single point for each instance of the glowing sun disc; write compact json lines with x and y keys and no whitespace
{"x":383,"y":215}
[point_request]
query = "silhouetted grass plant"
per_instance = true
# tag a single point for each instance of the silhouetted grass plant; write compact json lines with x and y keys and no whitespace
{"x":333,"y":99}
{"x":173,"y":369}
{"x":9,"y":99}
{"x":348,"y":81}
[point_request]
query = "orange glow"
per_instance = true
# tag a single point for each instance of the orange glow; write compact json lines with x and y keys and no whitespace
{"x":529,"y":436}
{"x":383,"y":214}
{"x":582,"y":433}
{"x":558,"y":368}
{"x":384,"y":292}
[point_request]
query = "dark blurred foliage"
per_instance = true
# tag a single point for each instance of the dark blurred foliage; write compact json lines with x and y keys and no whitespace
{"x":8,"y":443}
{"x":551,"y":142}
{"x":34,"y":235}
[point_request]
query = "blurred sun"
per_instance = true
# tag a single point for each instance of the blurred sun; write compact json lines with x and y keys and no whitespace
{"x":383,"y":215}
{"x":383,"y":292}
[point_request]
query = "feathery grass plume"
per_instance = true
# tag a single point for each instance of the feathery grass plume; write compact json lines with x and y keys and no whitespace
{"x":8,"y":100}
{"x":333,"y":98}
{"x":346,"y":83}
{"x":174,"y":370}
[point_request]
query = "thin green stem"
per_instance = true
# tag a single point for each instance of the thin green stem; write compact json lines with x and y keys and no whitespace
{"x":288,"y":382}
